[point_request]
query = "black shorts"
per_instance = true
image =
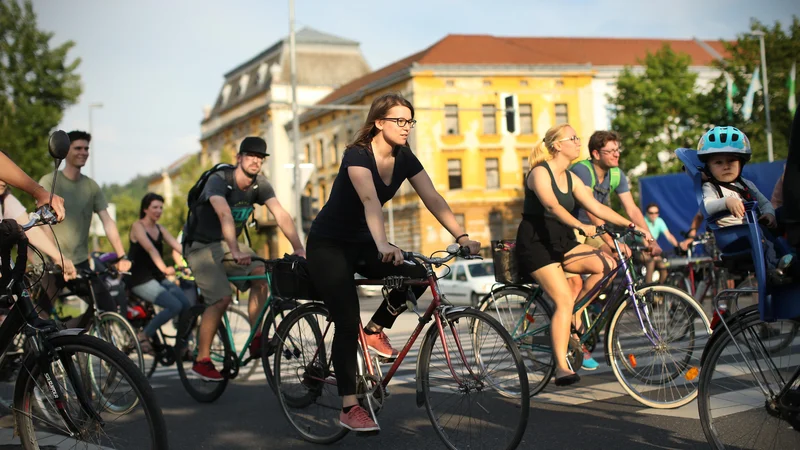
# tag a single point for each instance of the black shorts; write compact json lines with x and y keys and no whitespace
{"x":542,"y":241}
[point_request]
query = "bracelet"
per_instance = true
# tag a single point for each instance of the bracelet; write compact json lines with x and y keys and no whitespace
{"x":463,"y":235}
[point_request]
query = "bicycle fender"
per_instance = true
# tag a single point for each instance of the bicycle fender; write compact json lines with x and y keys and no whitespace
{"x":67,"y":332}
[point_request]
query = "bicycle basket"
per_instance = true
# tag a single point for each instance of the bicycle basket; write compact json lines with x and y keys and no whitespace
{"x":290,"y":279}
{"x":506,"y":269}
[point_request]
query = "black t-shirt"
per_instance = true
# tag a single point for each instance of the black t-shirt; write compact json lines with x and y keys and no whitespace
{"x":343,"y":216}
{"x":241,"y":203}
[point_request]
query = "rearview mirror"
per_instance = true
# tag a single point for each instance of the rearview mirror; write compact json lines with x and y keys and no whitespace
{"x":59,"y":145}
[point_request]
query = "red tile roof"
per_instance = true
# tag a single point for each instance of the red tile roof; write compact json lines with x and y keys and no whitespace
{"x":457,"y":49}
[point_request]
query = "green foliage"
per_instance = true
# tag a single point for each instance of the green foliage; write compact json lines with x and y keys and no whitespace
{"x":657,"y":110}
{"x":37,"y":84}
{"x":782,"y":48}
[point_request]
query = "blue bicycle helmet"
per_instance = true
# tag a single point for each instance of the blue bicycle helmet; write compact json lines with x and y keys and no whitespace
{"x":729,"y":140}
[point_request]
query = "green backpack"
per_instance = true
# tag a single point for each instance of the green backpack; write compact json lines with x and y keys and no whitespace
{"x":614,"y":173}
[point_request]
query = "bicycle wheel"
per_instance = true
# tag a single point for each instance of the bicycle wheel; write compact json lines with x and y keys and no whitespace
{"x":115,"y":329}
{"x":735,"y":412}
{"x":239,"y":326}
{"x":483,"y":401}
{"x":140,"y":427}
{"x":10,"y":363}
{"x":277,"y":312}
{"x":221,"y":355}
{"x":530,"y":330}
{"x":679,"y":280}
{"x":304,"y":378}
{"x":662,"y":373}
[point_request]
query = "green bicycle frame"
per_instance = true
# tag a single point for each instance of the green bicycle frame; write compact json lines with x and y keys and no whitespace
{"x":254,"y":329}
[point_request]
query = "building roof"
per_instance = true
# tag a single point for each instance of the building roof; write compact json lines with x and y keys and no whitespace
{"x":477,"y":50}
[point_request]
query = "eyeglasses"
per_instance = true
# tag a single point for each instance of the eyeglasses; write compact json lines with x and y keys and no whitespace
{"x":652,"y":213}
{"x":574,"y":139}
{"x":401,"y":122}
{"x":617,"y":151}
{"x":81,"y":148}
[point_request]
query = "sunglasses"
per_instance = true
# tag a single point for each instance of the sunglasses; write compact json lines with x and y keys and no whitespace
{"x":652,"y":212}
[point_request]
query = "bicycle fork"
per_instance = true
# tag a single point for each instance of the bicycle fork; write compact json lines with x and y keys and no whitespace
{"x":46,"y":355}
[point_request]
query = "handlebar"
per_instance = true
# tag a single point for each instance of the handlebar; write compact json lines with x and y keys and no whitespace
{"x":42,"y":216}
{"x":604,"y":229}
{"x":453,"y":250}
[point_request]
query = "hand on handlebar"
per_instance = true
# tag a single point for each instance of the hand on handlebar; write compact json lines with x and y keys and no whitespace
{"x":69,"y":271}
{"x":124,"y":265}
{"x":390,"y":253}
{"x":56,"y":205}
{"x":473,"y":246}
{"x":241,"y":258}
{"x":588,"y":230}
{"x":170,"y":271}
{"x":300,"y":252}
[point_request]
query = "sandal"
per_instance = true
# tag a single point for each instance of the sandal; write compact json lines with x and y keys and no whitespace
{"x":144,"y":343}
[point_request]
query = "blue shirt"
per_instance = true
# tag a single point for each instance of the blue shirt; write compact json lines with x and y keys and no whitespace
{"x":657,"y":228}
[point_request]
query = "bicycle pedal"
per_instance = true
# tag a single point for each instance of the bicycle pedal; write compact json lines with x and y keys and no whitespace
{"x":386,"y":360}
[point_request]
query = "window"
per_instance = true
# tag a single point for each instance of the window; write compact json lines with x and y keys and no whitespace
{"x":526,"y":166}
{"x":562,"y":113}
{"x":308,"y":153}
{"x":492,"y":173}
{"x":489,"y":119}
{"x":320,"y":154}
{"x":451,"y":119}
{"x":461,"y":221}
{"x":454,"y":173}
{"x":526,"y":119}
{"x":461,"y":274}
{"x":523,"y":82}
{"x":334,"y":146}
{"x":449,"y":83}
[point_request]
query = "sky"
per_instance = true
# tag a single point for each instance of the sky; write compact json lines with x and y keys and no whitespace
{"x":154,"y":65}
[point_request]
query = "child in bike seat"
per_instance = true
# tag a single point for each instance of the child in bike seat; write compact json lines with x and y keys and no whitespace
{"x":725,"y":151}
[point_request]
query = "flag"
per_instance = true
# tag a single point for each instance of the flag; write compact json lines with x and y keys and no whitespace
{"x":732,"y":91}
{"x":755,"y":84}
{"x":790,"y":83}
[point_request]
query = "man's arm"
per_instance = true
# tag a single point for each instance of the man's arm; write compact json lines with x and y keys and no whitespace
{"x":637,"y":218}
{"x":112,"y":233}
{"x":286,"y":224}
{"x":228,"y":227}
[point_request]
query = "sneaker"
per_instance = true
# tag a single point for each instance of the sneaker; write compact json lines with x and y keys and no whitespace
{"x":379,"y":343}
{"x":206,"y":371}
{"x":255,"y":346}
{"x":588,"y":362}
{"x":358,"y":419}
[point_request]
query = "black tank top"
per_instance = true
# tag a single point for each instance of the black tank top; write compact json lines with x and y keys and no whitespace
{"x":533,"y":207}
{"x":143,"y":269}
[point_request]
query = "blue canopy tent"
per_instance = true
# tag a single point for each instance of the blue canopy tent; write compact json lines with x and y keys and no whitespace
{"x":674,"y":195}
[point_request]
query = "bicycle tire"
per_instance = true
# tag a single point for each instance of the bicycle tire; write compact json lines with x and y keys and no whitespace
{"x":187,"y":340}
{"x":655,"y":298}
{"x":536,"y":349}
{"x":516,"y":377}
{"x":237,"y":325}
{"x":130,"y":344}
{"x":24,"y":393}
{"x":756,"y":409}
{"x":311,"y":390}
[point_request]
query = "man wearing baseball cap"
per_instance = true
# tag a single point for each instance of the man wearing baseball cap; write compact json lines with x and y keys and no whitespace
{"x":214,"y":253}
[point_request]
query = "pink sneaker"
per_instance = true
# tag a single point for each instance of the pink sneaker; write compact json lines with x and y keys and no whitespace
{"x":379,"y":343}
{"x":358,"y":419}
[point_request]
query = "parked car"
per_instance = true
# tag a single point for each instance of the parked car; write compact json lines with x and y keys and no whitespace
{"x":468,"y":281}
{"x":368,"y":290}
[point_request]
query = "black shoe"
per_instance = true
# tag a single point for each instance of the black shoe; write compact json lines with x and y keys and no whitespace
{"x":568,"y":380}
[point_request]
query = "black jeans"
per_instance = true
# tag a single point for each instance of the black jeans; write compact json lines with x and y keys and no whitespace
{"x":333,"y":264}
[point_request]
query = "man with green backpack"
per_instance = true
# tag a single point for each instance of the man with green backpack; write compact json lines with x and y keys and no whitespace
{"x":601,"y":174}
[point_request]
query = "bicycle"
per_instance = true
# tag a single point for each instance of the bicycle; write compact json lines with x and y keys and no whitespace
{"x":749,"y":380}
{"x":224,"y":345}
{"x":61,"y":386}
{"x":455,"y":358}
{"x":683,"y":272}
{"x":644,"y":326}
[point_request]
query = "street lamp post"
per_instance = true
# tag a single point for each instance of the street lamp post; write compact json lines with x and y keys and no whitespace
{"x":764,"y":83}
{"x":95,"y":244}
{"x":298,"y":190}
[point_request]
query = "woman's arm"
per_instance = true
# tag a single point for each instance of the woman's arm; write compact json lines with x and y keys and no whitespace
{"x":176,"y":246}
{"x":600,"y":210}
{"x":140,"y":235}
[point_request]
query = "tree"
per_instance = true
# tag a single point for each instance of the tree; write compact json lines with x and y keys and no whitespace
{"x":36,"y":85}
{"x":656,"y":111}
{"x":742,"y":57}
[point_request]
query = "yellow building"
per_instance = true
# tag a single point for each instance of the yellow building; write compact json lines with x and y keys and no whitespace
{"x":481,"y":103}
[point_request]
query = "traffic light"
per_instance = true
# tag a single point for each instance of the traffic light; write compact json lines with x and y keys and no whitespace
{"x":510,"y":106}
{"x":308,"y":210}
